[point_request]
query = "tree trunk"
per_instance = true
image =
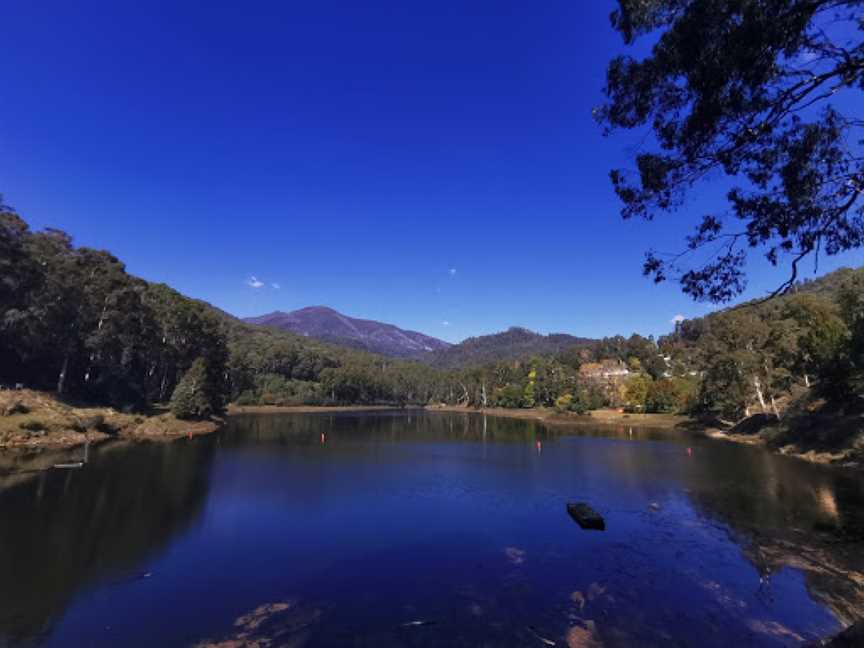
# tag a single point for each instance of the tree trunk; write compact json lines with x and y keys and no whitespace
{"x":774,"y":407}
{"x":163,"y":386}
{"x":758,"y":386}
{"x":483,"y":393}
{"x":61,"y":379}
{"x":806,"y":380}
{"x":465,"y":395}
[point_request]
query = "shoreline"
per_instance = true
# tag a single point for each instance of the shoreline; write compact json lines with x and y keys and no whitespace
{"x":233,"y":409}
{"x":46,"y":424}
{"x":554,"y":417}
{"x":835,"y":458}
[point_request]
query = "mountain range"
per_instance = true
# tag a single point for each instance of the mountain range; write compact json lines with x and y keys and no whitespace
{"x":328,"y":325}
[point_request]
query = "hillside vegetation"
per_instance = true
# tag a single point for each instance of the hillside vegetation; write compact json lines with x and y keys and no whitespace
{"x":515,"y":343}
{"x":750,"y":356}
{"x":74,"y":322}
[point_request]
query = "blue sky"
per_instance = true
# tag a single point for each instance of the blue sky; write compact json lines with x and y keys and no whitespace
{"x":434,"y":165}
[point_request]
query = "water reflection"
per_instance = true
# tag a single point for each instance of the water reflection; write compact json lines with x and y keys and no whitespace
{"x":785,"y":513}
{"x":63,"y":531}
{"x":413,"y":528}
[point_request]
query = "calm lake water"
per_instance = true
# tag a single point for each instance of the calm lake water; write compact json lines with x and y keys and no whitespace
{"x":421,"y":529}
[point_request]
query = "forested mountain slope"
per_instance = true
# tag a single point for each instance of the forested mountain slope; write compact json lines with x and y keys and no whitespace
{"x":515,"y":343}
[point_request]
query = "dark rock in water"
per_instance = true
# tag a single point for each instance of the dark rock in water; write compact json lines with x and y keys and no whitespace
{"x":754,"y":424}
{"x":715,"y":422}
{"x":585,"y":516}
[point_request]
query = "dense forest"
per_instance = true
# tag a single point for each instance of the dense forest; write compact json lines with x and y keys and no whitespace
{"x":73,"y":321}
{"x":515,"y":343}
{"x":751,"y":356}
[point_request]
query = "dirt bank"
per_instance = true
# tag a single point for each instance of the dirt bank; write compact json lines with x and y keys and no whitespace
{"x":32,"y":419}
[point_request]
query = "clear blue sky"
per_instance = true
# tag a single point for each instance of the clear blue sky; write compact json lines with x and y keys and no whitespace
{"x":434,"y":165}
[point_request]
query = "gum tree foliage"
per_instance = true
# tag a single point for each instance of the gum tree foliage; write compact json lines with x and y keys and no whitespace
{"x":851,"y":363}
{"x":72,"y":320}
{"x":757,"y":91}
{"x":199,"y":393}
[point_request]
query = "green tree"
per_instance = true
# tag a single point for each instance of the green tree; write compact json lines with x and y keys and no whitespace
{"x":636,"y":390}
{"x":724,"y":390}
{"x":850,"y":378}
{"x":197,"y":395}
{"x":528,"y":399}
{"x":510,"y":395}
{"x":751,"y":89}
{"x":669,"y":395}
{"x":820,"y":334}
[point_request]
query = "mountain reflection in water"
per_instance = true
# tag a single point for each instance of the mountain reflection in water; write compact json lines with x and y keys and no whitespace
{"x":415,"y":528}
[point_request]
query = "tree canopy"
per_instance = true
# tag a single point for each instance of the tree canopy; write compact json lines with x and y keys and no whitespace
{"x":758,"y":91}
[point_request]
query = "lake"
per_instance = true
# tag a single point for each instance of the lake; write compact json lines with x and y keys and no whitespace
{"x":424,"y":529}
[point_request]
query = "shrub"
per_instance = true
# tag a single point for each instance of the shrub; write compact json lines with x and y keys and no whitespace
{"x":93,"y":422}
{"x":197,"y":395}
{"x":16,"y":407}
{"x":563,"y":402}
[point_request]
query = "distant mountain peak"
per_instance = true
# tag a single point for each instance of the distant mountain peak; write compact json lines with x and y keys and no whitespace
{"x":516,"y":343}
{"x":329,"y":325}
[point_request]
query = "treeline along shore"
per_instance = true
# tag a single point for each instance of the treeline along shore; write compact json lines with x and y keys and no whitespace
{"x":76,"y":325}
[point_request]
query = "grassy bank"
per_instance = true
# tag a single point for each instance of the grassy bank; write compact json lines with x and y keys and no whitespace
{"x":31,"y":419}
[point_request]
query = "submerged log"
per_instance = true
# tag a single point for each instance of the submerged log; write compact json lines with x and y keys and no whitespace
{"x":585,"y":516}
{"x":71,"y":464}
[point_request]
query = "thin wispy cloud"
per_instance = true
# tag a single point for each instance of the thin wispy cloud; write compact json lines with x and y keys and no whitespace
{"x":445,"y":323}
{"x":677,"y":319}
{"x":276,"y":286}
{"x":452,"y":272}
{"x":254,"y":282}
